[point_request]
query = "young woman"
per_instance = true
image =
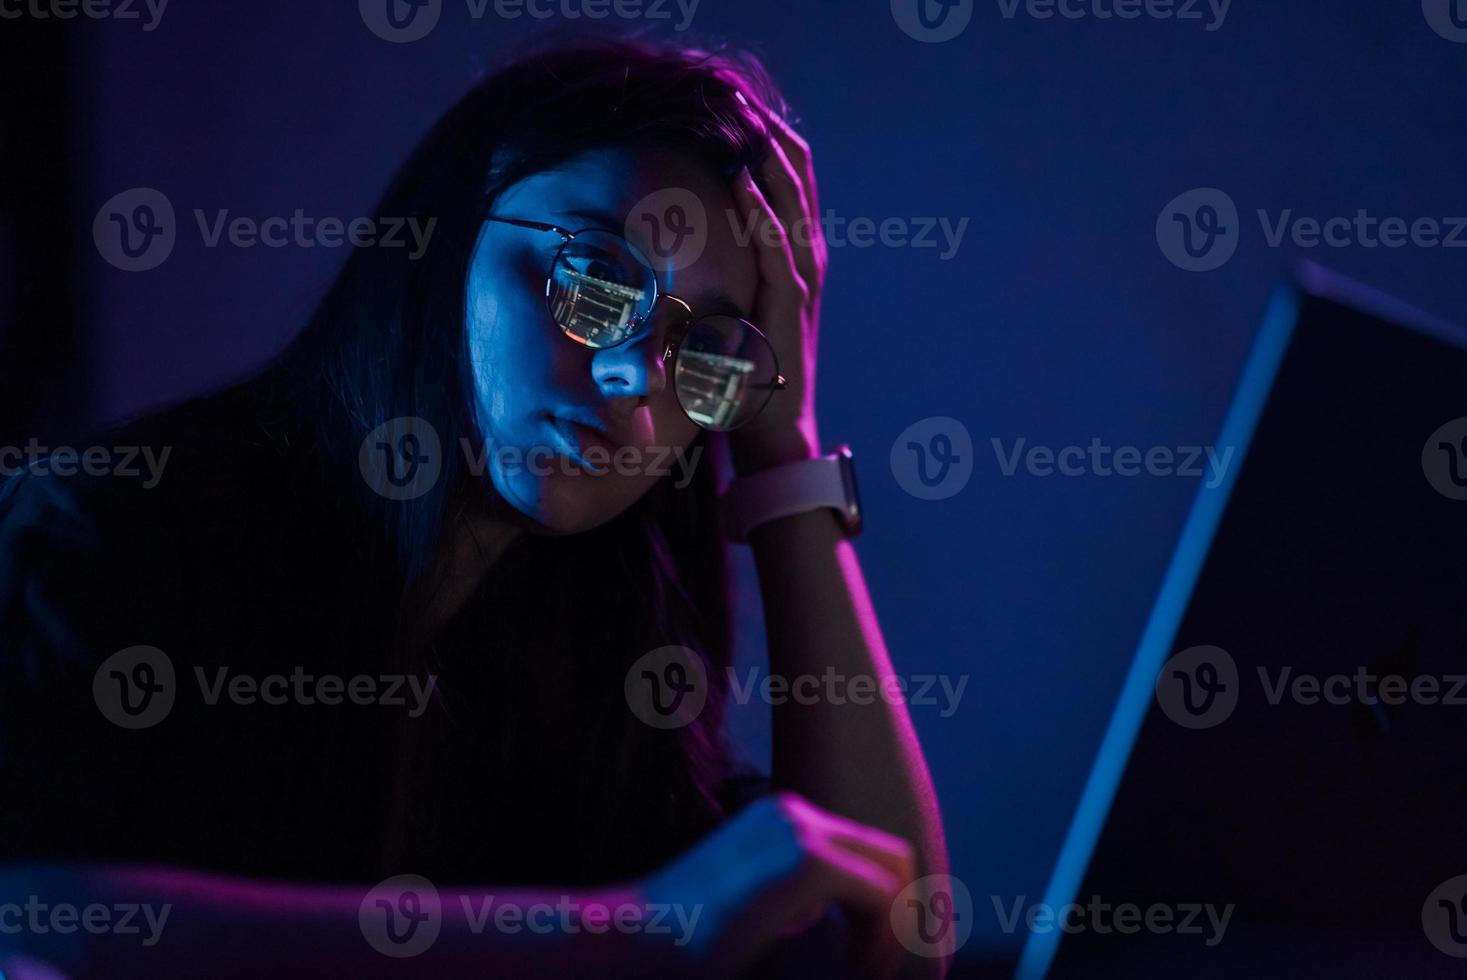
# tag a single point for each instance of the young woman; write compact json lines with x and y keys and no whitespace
{"x":392,"y":606}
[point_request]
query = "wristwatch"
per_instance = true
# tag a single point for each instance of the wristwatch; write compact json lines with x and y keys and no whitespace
{"x":794,"y":488}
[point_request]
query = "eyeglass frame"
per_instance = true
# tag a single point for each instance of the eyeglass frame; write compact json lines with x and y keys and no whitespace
{"x":779,"y":383}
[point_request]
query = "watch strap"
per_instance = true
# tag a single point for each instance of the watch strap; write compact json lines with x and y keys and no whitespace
{"x":789,"y":489}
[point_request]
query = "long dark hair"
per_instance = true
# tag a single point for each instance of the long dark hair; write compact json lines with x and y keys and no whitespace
{"x":388,"y":342}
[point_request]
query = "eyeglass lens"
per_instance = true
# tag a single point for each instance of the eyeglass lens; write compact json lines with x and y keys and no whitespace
{"x":601,"y":293}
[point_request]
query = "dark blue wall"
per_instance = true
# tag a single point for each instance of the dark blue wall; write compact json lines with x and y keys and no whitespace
{"x":1059,"y":320}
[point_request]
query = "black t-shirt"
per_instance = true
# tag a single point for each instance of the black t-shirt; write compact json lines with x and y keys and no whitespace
{"x":238,"y":574}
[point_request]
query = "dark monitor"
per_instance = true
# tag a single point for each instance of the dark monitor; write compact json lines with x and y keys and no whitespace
{"x":1291,"y":740}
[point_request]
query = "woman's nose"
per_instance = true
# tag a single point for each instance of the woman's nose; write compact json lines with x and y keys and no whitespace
{"x":637,"y":368}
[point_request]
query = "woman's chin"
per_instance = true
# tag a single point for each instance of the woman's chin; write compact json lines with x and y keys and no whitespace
{"x":560,"y":504}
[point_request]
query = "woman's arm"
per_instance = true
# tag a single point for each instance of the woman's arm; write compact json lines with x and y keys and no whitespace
{"x":861,"y":760}
{"x":123,"y":922}
{"x":713,"y":912}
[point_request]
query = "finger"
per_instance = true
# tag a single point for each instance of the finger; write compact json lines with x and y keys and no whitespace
{"x":878,"y":946}
{"x":786,"y":195}
{"x":866,"y":891}
{"x":820,"y":832}
{"x":777,"y":271}
{"x":856,"y":880}
{"x":797,"y":150}
{"x":893,"y":852}
{"x":897,"y":858}
{"x":827,"y":874}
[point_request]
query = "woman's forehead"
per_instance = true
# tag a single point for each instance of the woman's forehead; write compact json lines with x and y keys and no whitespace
{"x":614,"y":179}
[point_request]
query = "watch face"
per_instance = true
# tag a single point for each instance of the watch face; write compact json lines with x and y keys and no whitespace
{"x":851,"y":516}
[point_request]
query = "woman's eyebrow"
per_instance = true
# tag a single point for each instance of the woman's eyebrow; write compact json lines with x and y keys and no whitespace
{"x":719,"y":303}
{"x":716,"y":302}
{"x":594,"y":218}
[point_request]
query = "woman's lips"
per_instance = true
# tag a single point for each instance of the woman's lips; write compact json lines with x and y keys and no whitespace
{"x":577,"y":438}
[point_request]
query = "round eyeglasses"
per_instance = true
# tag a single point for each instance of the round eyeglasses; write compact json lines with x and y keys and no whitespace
{"x":601,"y":290}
